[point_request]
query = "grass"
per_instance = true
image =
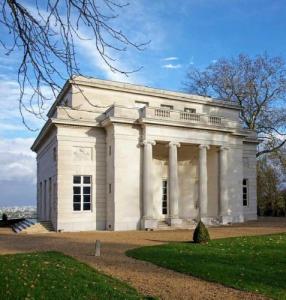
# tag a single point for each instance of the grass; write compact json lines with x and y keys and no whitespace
{"x":53,"y":275}
{"x":256,"y":264}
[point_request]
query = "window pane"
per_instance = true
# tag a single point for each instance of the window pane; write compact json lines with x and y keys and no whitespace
{"x":76,"y":198}
{"x":86,"y":198}
{"x":76,"y":206}
{"x":76,"y":179}
{"x":86,"y":179}
{"x":76,"y":190}
{"x":244,"y":202}
{"x":245,"y":190}
{"x":244,"y":182}
{"x":164,"y":211}
{"x":86,"y":206}
{"x":86,"y":189}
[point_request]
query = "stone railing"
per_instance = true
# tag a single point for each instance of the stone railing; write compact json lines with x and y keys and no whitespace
{"x":163,"y":114}
{"x":181,"y":116}
{"x":190,"y":116}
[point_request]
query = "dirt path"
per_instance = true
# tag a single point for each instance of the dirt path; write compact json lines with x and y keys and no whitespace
{"x":147,"y":278}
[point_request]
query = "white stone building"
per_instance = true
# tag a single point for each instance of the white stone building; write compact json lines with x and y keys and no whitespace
{"x":115,"y":156}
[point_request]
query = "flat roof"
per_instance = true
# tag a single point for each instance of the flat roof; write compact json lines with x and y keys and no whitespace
{"x":142,"y":90}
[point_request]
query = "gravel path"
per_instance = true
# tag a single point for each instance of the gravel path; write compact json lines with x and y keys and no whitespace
{"x":147,"y":278}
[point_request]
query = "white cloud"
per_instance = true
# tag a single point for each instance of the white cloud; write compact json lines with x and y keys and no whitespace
{"x":88,"y":48}
{"x":171,"y":58}
{"x":17,"y":160}
{"x":191,"y":61}
{"x":18,"y":172}
{"x":172,"y":66}
{"x":11,"y":127}
{"x":10,"y":118}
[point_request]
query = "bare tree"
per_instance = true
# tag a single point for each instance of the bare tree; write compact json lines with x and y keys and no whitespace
{"x":258,"y":85}
{"x":271,"y":198}
{"x":43,"y":35}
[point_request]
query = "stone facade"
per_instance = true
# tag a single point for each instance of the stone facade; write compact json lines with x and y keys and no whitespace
{"x":116,"y":156}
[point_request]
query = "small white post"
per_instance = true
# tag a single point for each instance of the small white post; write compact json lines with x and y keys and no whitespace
{"x":97,"y":248}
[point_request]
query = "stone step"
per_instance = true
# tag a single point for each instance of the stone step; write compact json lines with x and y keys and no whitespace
{"x":30,"y":227}
{"x":186,"y":224}
{"x":17,"y":227}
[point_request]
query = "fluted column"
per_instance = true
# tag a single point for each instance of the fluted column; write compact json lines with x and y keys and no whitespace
{"x":173,"y":181}
{"x":148,"y":186}
{"x":203,"y":181}
{"x":223,"y":192}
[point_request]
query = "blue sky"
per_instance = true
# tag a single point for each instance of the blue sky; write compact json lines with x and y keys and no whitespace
{"x":183,"y":33}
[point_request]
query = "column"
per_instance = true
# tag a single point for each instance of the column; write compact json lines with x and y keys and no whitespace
{"x":223,"y":192}
{"x":148,"y":221}
{"x":203,"y":182}
{"x":173,"y":184}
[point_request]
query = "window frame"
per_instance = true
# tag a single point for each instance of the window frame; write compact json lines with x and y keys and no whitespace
{"x":82,"y":185}
{"x":190,"y":110}
{"x":167,"y":106}
{"x":245,"y":192}
{"x":141,"y":104}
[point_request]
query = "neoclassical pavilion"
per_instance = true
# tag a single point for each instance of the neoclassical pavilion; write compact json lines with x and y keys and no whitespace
{"x":116,"y":156}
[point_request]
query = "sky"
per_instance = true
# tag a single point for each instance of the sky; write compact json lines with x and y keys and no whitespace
{"x":182,"y":34}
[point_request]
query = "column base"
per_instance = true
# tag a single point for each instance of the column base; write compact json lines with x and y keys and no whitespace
{"x":149,"y":223}
{"x":207,"y":220}
{"x":224,"y":220}
{"x":175,"y":222}
{"x":238,"y":218}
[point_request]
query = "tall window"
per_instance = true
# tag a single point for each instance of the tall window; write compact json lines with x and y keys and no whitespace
{"x":81,"y":193}
{"x":45,"y":199}
{"x":245,"y":192}
{"x":50,"y":198}
{"x":40,"y":201}
{"x":55,"y":154}
{"x":164,"y":197}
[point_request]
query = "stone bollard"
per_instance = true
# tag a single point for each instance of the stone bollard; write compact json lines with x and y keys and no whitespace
{"x":97,"y":248}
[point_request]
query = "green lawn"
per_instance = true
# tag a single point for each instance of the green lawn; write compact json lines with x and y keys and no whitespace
{"x":255,"y":264}
{"x":53,"y":275}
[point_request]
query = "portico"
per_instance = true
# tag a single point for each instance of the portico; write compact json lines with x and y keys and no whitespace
{"x":149,"y":220}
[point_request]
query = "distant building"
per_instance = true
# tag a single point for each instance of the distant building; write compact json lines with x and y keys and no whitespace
{"x":115,"y":156}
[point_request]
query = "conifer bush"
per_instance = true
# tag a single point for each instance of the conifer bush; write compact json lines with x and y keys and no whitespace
{"x":4,"y":217}
{"x":201,"y":234}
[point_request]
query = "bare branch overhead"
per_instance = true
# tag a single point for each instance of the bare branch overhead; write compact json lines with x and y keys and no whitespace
{"x":43,"y":35}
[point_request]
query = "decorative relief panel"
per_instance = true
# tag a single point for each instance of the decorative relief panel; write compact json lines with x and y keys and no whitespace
{"x":82,"y":153}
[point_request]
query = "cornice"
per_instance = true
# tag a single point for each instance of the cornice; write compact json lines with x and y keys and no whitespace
{"x":40,"y":136}
{"x":144,"y":90}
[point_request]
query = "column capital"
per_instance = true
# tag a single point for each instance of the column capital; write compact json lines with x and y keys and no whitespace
{"x":223,"y":148}
{"x":170,"y":144}
{"x":204,"y":146}
{"x":146,"y":142}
